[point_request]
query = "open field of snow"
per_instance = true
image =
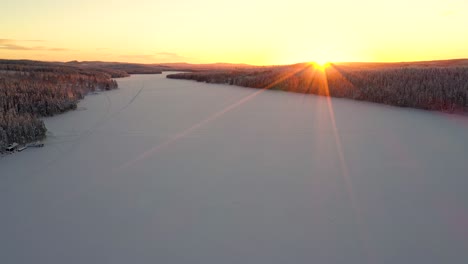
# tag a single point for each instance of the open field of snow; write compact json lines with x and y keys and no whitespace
{"x":177,"y":172}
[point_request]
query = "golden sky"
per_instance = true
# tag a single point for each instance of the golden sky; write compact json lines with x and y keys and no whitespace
{"x":257,"y":32}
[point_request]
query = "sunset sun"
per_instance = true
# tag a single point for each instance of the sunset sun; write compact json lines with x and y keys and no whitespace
{"x":320,"y":63}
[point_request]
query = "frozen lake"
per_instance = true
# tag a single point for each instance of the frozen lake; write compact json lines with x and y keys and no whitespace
{"x":178,"y":172}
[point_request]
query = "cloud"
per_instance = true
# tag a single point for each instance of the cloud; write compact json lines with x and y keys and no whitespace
{"x":169,"y":56}
{"x":158,"y":57}
{"x":11,"y":44}
{"x":56,"y":49}
{"x":144,"y":57}
{"x":22,"y":40}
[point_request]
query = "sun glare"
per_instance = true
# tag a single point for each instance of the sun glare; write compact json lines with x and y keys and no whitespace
{"x":321,"y":64}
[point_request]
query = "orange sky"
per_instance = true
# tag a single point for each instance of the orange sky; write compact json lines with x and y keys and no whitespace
{"x":243,"y":31}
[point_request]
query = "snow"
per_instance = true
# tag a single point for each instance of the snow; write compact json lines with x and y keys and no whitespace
{"x":173,"y":171}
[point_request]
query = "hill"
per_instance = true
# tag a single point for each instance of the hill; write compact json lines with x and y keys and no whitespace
{"x":130,"y":68}
{"x":182,"y":66}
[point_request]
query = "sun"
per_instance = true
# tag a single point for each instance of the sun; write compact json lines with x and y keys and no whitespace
{"x":321,"y":64}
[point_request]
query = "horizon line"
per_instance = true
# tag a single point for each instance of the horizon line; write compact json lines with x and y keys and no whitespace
{"x":236,"y":63}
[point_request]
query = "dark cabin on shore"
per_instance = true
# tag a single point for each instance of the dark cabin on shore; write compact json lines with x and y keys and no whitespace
{"x":12,"y":147}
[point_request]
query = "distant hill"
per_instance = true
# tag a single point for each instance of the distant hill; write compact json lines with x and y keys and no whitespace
{"x":418,"y":64}
{"x":135,"y":68}
{"x":130,"y":68}
{"x":156,"y":68}
{"x":183,"y":66}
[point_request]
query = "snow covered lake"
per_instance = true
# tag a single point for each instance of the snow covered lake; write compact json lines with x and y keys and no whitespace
{"x":177,"y":172}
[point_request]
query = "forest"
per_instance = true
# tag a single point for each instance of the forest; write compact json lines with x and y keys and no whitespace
{"x":33,"y":89}
{"x":439,"y":85}
{"x":30,"y":90}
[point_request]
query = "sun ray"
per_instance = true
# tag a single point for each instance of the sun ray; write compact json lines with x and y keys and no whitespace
{"x":210,"y":119}
{"x":365,"y":236}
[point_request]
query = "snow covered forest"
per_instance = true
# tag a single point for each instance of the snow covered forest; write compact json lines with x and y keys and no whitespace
{"x":29,"y":90}
{"x":441,"y":86}
{"x":33,"y":89}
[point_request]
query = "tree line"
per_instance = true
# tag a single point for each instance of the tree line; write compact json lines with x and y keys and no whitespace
{"x":32,"y":90}
{"x":431,"y":87}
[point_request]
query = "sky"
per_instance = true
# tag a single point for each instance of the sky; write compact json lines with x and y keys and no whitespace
{"x":259,"y":32}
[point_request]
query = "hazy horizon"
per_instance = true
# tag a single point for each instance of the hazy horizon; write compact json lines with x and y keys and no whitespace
{"x":250,"y":32}
{"x":233,"y":63}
